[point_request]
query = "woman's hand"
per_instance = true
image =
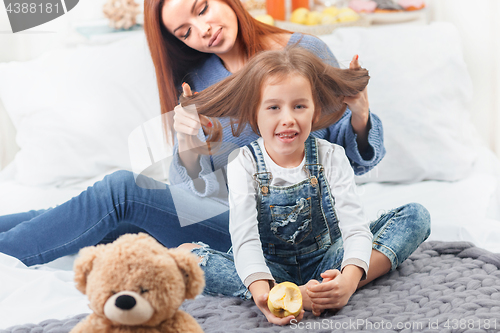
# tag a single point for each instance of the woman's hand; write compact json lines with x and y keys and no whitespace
{"x":335,"y":289}
{"x":359,"y":107}
{"x":187,"y":122}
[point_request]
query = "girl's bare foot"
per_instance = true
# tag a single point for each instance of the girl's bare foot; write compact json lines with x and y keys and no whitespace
{"x":189,"y":247}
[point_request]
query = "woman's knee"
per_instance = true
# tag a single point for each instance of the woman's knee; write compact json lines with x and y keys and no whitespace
{"x":113,"y":188}
{"x":117,"y":182}
{"x":120,"y":177}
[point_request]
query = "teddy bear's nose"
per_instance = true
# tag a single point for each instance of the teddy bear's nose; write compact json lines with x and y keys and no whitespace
{"x":125,"y":302}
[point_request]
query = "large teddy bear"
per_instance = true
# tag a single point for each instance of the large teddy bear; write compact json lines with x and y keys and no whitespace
{"x":135,"y":284}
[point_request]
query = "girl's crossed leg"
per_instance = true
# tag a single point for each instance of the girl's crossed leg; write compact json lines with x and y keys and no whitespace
{"x":396,"y":235}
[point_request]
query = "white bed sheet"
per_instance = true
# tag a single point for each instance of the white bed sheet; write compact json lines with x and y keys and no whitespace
{"x":468,"y":209}
{"x":463,"y":210}
{"x":35,"y":294}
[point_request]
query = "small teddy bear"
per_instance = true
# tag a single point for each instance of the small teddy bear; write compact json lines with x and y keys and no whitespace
{"x":135,"y":284}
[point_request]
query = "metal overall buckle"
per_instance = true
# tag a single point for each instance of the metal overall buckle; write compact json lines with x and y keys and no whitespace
{"x":264,"y":189}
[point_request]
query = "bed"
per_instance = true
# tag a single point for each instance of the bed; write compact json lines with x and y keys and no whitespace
{"x":72,"y":116}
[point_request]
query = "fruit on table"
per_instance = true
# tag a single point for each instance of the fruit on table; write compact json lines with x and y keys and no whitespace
{"x":285,"y":299}
{"x":347,"y":15}
{"x":267,"y":19}
{"x":313,"y":18}
{"x":328,"y":19}
{"x":332,"y":11}
{"x":299,"y":15}
{"x":329,"y":15}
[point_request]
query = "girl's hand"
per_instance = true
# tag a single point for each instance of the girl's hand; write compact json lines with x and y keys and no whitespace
{"x":360,"y":111}
{"x":261,"y":302}
{"x":260,"y":291}
{"x":332,"y":293}
{"x":186,"y":119}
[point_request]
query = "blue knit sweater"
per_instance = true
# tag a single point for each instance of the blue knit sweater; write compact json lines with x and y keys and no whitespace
{"x":213,"y":167}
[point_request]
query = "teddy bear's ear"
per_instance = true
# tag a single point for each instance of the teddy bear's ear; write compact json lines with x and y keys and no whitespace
{"x":83,"y":266}
{"x":193,"y":274}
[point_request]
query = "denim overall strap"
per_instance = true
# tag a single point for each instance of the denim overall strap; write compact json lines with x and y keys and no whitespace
{"x":312,"y":166}
{"x":315,"y":172}
{"x":262,"y":176}
{"x":317,"y":179}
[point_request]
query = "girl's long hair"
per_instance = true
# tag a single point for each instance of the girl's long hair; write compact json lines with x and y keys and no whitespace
{"x":239,"y":95}
{"x":173,"y":60}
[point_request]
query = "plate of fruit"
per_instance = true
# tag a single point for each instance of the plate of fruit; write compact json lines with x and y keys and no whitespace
{"x":317,"y":22}
{"x":389,"y":11}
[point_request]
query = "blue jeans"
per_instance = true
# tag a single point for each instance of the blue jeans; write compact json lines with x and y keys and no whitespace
{"x":396,"y":234}
{"x":116,"y":205}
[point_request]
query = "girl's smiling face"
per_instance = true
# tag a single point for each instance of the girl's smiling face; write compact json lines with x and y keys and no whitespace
{"x":206,"y":26}
{"x":284,"y":118}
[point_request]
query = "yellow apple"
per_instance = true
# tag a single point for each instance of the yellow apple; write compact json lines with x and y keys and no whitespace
{"x":328,"y":19}
{"x":267,"y":19}
{"x":347,"y":15}
{"x":299,"y":15}
{"x":332,"y":11}
{"x":313,"y":18}
{"x":285,"y":299}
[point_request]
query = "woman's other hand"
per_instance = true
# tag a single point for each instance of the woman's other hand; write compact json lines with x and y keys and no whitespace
{"x":359,"y":107}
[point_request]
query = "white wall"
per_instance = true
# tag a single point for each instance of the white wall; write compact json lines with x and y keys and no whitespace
{"x":479,"y":26}
{"x":29,"y":44}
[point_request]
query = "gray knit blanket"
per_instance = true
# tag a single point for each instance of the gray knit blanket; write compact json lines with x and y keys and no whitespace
{"x":442,"y":287}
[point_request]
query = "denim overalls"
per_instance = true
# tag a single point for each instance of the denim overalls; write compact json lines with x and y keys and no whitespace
{"x":297,"y":223}
{"x":299,"y":233}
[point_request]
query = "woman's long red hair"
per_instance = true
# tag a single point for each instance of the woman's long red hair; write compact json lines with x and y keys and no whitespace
{"x":173,"y":60}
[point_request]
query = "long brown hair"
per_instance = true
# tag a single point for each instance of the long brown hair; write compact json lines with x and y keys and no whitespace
{"x":239,"y":95}
{"x":173,"y":60}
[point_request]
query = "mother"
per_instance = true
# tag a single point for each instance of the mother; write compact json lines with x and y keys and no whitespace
{"x":221,"y":36}
{"x":200,"y":42}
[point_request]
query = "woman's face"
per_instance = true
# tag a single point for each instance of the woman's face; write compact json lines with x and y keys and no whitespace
{"x":206,"y":26}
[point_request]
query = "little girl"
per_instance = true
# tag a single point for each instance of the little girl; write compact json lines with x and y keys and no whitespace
{"x":294,"y":212}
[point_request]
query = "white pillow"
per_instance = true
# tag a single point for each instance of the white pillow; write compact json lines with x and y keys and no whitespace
{"x":8,"y":147}
{"x":420,"y":88}
{"x":74,"y":109}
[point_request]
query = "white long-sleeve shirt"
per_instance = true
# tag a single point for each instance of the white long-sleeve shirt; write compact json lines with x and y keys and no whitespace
{"x":243,"y":191}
